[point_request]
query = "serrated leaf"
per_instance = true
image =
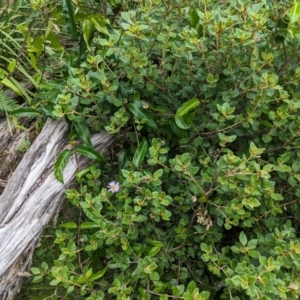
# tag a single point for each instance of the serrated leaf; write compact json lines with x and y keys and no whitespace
{"x":89,"y":152}
{"x":61,"y":163}
{"x":186,"y":107}
{"x":140,"y":153}
{"x":137,"y":109}
{"x":25,"y":112}
{"x":83,"y":132}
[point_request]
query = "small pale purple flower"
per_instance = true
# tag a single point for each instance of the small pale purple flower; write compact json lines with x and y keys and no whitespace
{"x":113,"y":187}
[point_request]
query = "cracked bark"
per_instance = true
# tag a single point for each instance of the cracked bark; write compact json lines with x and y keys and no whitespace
{"x":31,"y":197}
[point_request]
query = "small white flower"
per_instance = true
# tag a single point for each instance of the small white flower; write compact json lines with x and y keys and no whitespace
{"x":113,"y":187}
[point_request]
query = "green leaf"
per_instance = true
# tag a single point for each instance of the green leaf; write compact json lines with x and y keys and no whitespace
{"x":69,"y":15}
{"x":100,"y":22}
{"x":55,"y":42}
{"x":185,"y":121}
{"x":122,"y":159}
{"x":88,"y":225}
{"x":236,"y":280}
{"x":296,"y":165}
{"x":98,"y":274}
{"x":243,"y":238}
{"x":178,"y":131}
{"x":25,"y":112}
{"x":137,"y":109}
{"x":140,"y":153}
{"x":10,"y":85}
{"x":157,"y":246}
{"x":69,"y":225}
{"x":61,"y":163}
{"x":295,"y":12}
{"x":276,"y":196}
{"x":178,"y":290}
{"x":12,"y":65}
{"x":266,"y":138}
{"x":204,"y":247}
{"x":83,"y":132}
{"x":35,"y":271}
{"x":254,"y":151}
{"x":87,"y":30}
{"x":194,"y":18}
{"x":89,"y":152}
{"x":186,"y":107}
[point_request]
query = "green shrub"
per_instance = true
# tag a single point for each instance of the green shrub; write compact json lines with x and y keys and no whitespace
{"x":204,"y":100}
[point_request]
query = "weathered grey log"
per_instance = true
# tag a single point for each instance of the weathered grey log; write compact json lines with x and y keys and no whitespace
{"x":31,"y":198}
{"x":5,"y":136}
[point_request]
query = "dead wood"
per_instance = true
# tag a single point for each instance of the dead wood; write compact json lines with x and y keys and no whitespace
{"x":31,"y":198}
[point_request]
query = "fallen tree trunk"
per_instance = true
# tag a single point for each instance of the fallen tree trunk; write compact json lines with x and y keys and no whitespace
{"x":31,"y":198}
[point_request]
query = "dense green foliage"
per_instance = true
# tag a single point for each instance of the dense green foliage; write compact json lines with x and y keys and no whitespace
{"x":204,"y":99}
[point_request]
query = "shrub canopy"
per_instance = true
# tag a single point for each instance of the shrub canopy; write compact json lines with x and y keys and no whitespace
{"x":203,"y":97}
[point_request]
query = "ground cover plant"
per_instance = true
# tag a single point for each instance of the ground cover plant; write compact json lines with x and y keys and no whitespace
{"x":199,"y":198}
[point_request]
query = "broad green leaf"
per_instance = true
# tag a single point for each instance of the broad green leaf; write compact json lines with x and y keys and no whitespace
{"x":83,"y":132}
{"x":178,"y":290}
{"x":80,"y":174}
{"x":98,"y":274}
{"x":68,"y":11}
{"x":295,"y":13}
{"x":204,"y":247}
{"x":12,"y":65}
{"x":122,"y":159}
{"x":35,"y":271}
{"x":37,"y":46}
{"x":140,"y":153}
{"x":276,"y":196}
{"x":100,"y":22}
{"x":49,"y":28}
{"x":137,"y":109}
{"x":25,"y":112}
{"x":154,"y":250}
{"x":296,"y":165}
{"x":87,"y":30}
{"x":88,"y":225}
{"x":32,"y":60}
{"x":178,"y":131}
{"x":61,"y":163}
{"x":185,"y":121}
{"x":243,"y":238}
{"x":69,"y":225}
{"x":186,"y":107}
{"x":194,"y":18}
{"x":55,"y":42}
{"x":89,"y":152}
{"x":254,"y":151}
